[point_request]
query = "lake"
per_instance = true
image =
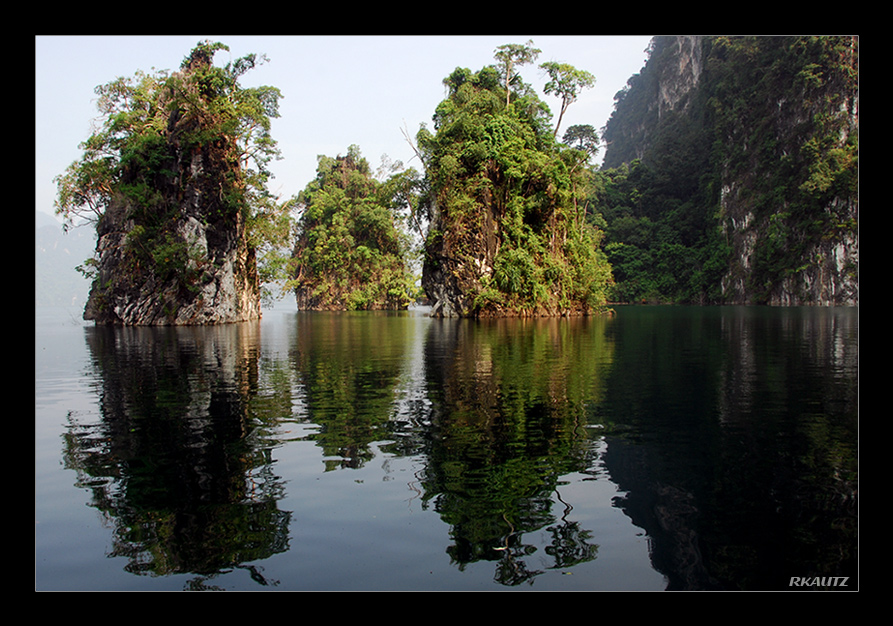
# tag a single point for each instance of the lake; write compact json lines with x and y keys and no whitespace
{"x":663,"y":448}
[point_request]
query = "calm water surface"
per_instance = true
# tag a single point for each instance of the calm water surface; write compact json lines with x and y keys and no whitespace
{"x":665,"y":448}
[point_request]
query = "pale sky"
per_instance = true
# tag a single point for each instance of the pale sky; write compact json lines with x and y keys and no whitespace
{"x":337,"y":90}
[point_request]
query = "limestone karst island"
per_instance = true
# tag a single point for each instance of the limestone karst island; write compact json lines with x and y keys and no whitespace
{"x":730,"y":176}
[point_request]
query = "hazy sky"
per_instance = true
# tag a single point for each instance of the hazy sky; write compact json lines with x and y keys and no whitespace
{"x":337,"y":90}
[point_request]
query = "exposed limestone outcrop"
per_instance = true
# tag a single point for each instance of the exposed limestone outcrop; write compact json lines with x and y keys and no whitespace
{"x":172,"y":245}
{"x":508,"y":235}
{"x":219,"y":286}
{"x":781,"y":134}
{"x":679,"y":80}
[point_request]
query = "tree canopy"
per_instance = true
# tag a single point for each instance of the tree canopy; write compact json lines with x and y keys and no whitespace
{"x":148,"y":127}
{"x":352,"y":251}
{"x":137,"y":113}
{"x":507,"y":221}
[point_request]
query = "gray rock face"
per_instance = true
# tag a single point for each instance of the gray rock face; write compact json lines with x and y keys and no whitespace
{"x":197,"y":269}
{"x":680,"y":79}
{"x":773,"y":260}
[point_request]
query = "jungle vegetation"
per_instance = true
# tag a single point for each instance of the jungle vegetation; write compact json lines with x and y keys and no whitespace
{"x":767,"y":116}
{"x":505,"y":199}
{"x":352,"y":249}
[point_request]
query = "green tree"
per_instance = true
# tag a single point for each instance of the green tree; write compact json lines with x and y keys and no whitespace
{"x":566,"y":82}
{"x":350,"y":252}
{"x":582,"y":137}
{"x":131,"y":111}
{"x":513,"y":55}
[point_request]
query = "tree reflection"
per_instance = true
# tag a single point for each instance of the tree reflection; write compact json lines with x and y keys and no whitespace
{"x":509,"y":401}
{"x":349,"y":366}
{"x":175,"y":464}
{"x":570,"y":542}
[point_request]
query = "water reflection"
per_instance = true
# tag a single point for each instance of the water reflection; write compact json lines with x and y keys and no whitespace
{"x":733,"y":432}
{"x":789,"y":390}
{"x":729,"y":432}
{"x":508,"y":419}
{"x":348,"y":367}
{"x":175,"y":465}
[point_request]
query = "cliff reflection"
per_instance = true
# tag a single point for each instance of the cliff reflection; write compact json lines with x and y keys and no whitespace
{"x":508,"y":419}
{"x":174,"y":463}
{"x":733,"y":433}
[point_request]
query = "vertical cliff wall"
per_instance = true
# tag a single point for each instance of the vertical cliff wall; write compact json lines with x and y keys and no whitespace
{"x":667,"y":83}
{"x":777,"y":119}
{"x":205,"y":272}
{"x":786,"y":126}
{"x":172,"y":245}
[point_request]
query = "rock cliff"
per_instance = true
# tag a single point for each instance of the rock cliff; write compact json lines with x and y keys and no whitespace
{"x":789,"y":201}
{"x":172,"y":244}
{"x":217,"y":283}
{"x":775,"y":120}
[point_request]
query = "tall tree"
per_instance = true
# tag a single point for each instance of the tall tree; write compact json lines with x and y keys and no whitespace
{"x":512,"y":55}
{"x":566,"y":82}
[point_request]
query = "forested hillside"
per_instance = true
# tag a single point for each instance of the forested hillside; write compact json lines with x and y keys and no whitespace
{"x":731,"y":173}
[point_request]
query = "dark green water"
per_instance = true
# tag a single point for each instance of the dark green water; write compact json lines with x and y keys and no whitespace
{"x":664,"y":448}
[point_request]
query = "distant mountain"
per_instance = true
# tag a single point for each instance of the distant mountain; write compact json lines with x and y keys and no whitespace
{"x":56,"y":255}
